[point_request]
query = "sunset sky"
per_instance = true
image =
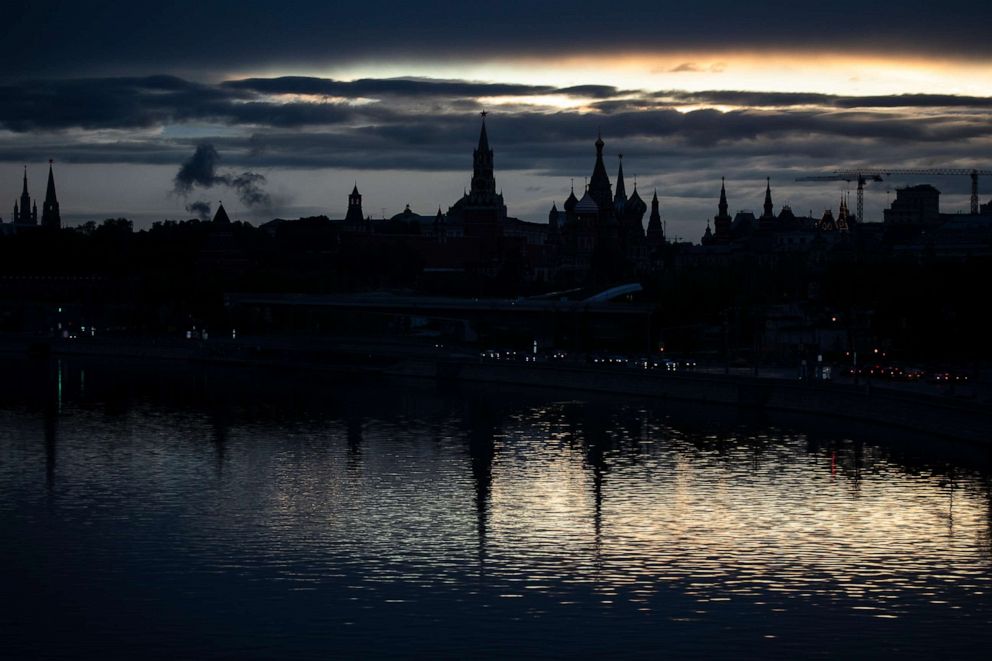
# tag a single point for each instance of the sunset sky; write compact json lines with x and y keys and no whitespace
{"x":315,"y":96}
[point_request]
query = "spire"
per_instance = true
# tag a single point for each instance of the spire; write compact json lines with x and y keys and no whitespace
{"x":354,"y":215}
{"x":50,"y":191}
{"x":768,"y":198}
{"x":25,"y":216}
{"x":221,"y":216}
{"x":483,"y":136}
{"x":656,"y":232}
{"x":599,"y":185}
{"x":50,"y":216}
{"x":722,"y":206}
{"x":483,"y":188}
{"x":621,"y":189}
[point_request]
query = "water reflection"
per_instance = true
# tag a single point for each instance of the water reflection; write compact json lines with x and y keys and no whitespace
{"x":352,"y":518}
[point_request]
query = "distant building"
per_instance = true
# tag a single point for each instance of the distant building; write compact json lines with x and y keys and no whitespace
{"x":481,"y":209}
{"x":25,"y":214}
{"x":603,"y":231}
{"x":50,"y":216}
{"x":914,"y":205}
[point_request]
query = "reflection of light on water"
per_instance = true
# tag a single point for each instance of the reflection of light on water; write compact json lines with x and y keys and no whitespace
{"x":569,"y":506}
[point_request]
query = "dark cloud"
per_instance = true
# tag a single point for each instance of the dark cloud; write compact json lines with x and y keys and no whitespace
{"x":424,"y":111}
{"x":201,"y":208}
{"x":126,"y":36}
{"x":408,"y":87}
{"x":787,"y":99}
{"x":431,"y":126}
{"x":200,"y":170}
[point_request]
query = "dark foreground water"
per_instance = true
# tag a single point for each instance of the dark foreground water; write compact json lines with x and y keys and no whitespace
{"x":156,"y":512}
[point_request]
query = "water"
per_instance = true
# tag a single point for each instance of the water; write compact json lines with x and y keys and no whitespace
{"x":171,"y":512}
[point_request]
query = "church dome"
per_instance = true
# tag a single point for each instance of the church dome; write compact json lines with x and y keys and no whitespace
{"x":587,"y":205}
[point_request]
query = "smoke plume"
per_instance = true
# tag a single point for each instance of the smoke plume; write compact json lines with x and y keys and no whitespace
{"x":201,"y":208}
{"x":201,"y":170}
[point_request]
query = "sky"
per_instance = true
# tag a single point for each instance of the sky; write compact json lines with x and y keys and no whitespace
{"x":155,"y":111}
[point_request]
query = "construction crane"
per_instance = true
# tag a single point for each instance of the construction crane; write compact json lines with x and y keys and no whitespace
{"x":865,"y":176}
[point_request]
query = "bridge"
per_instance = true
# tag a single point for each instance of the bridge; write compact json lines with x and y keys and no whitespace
{"x":609,"y":316}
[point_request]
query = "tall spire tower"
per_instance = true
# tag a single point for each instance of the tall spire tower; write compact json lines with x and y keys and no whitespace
{"x":656,"y":232}
{"x":769,"y":209}
{"x":354,"y":216}
{"x":25,"y":216}
{"x":722,"y":221}
{"x":50,"y":216}
{"x":481,"y":210}
{"x":483,"y":180}
{"x":620,"y":199}
{"x":600,"y":189}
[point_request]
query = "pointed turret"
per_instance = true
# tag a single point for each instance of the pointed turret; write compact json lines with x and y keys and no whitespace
{"x":554,"y":229}
{"x":50,"y":216}
{"x":483,"y":135}
{"x":722,"y":206}
{"x":842,"y":216}
{"x":483,"y":188}
{"x":221,"y":216}
{"x":620,"y":198}
{"x":25,"y":218}
{"x":769,"y":212}
{"x":599,"y":185}
{"x":354,"y":216}
{"x":722,"y":221}
{"x":570,"y":202}
{"x":656,"y":233}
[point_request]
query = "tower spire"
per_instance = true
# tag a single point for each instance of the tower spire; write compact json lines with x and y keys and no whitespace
{"x":50,"y":216}
{"x":722,"y":206}
{"x":656,"y":231}
{"x":599,"y":185}
{"x":621,"y":188}
{"x":483,"y":182}
{"x":25,"y":217}
{"x":769,"y":209}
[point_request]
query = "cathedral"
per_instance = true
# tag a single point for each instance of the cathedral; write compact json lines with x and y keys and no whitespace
{"x":602,"y":233}
{"x":600,"y":237}
{"x":26,"y":212}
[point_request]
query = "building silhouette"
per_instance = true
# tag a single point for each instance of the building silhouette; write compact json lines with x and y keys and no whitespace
{"x":26,"y":210}
{"x":914,"y":205}
{"x":25,"y":215}
{"x":481,"y":210}
{"x":50,"y":216}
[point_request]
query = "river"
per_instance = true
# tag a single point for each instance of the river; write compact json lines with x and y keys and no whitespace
{"x":162,"y":511}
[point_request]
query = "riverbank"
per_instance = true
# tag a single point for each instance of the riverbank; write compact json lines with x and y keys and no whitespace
{"x":938,"y":415}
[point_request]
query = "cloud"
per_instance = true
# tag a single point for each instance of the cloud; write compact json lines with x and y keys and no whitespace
{"x":224,"y":134}
{"x":250,"y":35}
{"x":200,"y":170}
{"x":201,"y":208}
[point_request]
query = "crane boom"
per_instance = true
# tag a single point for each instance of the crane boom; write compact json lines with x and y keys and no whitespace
{"x":866,"y":175}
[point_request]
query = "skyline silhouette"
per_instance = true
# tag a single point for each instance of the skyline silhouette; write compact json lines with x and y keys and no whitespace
{"x":314,"y":98}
